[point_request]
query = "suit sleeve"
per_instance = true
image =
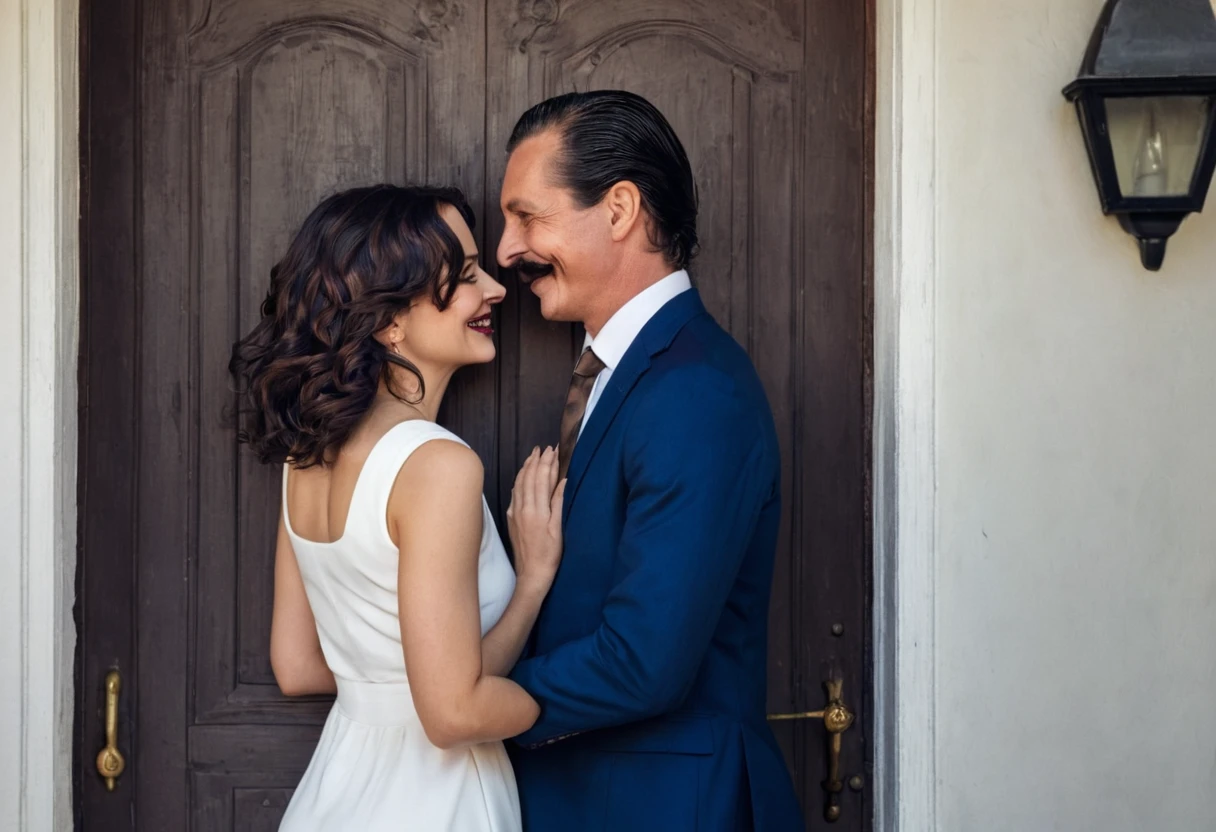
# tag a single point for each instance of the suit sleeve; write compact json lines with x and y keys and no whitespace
{"x":699,"y":472}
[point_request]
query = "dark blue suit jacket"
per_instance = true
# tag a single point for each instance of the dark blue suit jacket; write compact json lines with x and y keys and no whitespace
{"x":649,"y":656}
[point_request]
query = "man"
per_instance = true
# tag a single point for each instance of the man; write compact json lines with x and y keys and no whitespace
{"x":649,"y":657}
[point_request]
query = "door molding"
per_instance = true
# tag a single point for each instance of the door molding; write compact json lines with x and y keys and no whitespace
{"x":39,"y":156}
{"x":904,"y":476}
{"x":46,"y":170}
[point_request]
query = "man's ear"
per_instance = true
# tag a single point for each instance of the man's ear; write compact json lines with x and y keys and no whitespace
{"x":624,"y":203}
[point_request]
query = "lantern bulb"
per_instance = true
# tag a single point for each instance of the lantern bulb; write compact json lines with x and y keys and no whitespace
{"x":1149,"y":174}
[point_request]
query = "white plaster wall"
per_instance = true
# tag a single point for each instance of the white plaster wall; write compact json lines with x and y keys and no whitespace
{"x":10,"y":408}
{"x":1076,"y":461}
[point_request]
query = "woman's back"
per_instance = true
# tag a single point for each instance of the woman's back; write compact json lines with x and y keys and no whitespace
{"x":351,"y":580}
{"x":373,"y":735}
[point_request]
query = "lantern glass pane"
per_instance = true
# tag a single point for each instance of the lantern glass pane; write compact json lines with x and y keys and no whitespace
{"x":1156,"y":142}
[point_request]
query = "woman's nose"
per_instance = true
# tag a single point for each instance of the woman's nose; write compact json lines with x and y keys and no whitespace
{"x":494,"y":291}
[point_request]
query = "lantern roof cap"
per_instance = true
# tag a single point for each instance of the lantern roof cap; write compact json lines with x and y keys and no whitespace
{"x":1151,"y":40}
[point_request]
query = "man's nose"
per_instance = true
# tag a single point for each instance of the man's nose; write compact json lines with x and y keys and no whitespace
{"x":510,"y":247}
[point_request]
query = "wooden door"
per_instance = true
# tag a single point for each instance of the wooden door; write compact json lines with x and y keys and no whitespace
{"x":210,"y":127}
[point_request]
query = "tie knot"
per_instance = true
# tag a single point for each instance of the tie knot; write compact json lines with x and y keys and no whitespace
{"x":589,"y":364}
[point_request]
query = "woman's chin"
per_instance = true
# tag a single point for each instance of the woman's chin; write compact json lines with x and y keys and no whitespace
{"x":483,"y":353}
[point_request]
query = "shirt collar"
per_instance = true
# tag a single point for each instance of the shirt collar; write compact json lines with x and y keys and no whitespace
{"x":622,"y":328}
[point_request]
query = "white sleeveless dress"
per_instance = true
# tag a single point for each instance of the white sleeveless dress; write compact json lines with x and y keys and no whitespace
{"x":374,"y":769}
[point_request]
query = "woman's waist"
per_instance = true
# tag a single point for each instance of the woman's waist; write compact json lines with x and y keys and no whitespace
{"x":386,"y":704}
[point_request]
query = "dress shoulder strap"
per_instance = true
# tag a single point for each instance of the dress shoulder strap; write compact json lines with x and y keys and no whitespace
{"x":369,"y":503}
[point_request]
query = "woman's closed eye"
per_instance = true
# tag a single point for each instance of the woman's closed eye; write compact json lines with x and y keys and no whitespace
{"x":470,"y":273}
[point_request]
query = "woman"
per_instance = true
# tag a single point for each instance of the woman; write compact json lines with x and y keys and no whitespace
{"x":388,"y":565}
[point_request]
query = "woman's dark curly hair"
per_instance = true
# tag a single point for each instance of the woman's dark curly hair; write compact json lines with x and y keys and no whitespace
{"x":309,"y":371}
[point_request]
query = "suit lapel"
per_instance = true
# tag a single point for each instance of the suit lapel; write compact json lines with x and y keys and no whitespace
{"x":655,"y":337}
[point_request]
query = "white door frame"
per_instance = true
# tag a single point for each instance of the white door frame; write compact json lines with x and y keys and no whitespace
{"x":39,"y":172}
{"x":904,"y":476}
{"x":39,"y":168}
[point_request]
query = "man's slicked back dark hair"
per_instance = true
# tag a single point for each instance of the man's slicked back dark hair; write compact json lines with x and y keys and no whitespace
{"x":610,"y":136}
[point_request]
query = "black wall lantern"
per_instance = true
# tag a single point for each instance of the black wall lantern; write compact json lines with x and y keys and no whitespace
{"x":1146,"y":97}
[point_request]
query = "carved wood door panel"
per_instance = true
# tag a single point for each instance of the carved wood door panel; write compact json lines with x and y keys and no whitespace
{"x":209,"y":129}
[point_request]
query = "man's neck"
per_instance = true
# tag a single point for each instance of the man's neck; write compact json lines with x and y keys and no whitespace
{"x":631,"y":284}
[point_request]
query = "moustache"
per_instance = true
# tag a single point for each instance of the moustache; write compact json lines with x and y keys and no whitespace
{"x":530,"y":270}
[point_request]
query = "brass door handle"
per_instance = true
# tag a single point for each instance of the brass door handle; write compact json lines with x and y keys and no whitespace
{"x":836,"y":719}
{"x":110,"y":762}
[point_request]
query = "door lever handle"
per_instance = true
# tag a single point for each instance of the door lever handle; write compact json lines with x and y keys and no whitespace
{"x":110,"y":762}
{"x":836,"y":719}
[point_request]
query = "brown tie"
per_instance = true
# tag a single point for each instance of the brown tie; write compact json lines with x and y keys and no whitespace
{"x":585,"y":372}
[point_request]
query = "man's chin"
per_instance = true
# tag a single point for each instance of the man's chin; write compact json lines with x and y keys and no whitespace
{"x":551,"y":310}
{"x":541,"y":288}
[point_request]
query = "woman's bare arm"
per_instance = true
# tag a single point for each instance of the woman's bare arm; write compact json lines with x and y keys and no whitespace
{"x":435,"y":517}
{"x":295,"y":648}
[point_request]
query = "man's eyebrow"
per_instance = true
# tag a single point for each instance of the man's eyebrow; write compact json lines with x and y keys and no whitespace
{"x":518,"y":205}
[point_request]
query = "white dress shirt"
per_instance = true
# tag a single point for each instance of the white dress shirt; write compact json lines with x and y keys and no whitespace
{"x":611,"y":343}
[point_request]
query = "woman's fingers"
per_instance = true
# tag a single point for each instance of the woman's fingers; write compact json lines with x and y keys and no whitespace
{"x":517,"y":488}
{"x":551,"y":480}
{"x":555,"y":509}
{"x":535,"y":492}
{"x":527,"y":485}
{"x":542,"y":485}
